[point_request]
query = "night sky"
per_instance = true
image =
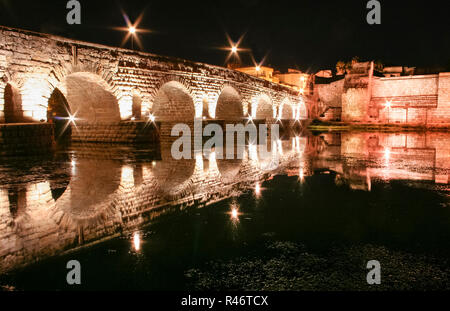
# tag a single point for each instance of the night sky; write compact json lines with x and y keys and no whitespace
{"x":307,"y":35}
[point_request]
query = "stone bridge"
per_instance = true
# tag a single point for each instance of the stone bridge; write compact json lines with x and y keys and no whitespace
{"x":44,"y":78}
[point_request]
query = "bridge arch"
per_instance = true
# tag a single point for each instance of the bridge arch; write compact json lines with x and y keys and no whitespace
{"x":229,"y":105}
{"x":302,"y":111}
{"x":86,"y":96}
{"x":285,"y":111}
{"x":173,"y":102}
{"x":264,"y":108}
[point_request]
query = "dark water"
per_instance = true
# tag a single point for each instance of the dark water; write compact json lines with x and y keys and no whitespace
{"x":137,"y":219}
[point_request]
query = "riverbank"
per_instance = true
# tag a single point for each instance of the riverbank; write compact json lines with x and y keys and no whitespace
{"x":342,"y":126}
{"x":289,"y":266}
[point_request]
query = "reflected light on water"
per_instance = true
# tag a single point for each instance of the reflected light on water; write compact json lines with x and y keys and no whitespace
{"x":387,"y":154}
{"x":234,"y":213}
{"x":301,"y":174}
{"x":137,"y":241}
{"x":74,"y":166}
{"x":258,"y":189}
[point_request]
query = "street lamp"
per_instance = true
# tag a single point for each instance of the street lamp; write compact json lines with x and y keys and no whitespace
{"x":132,"y":31}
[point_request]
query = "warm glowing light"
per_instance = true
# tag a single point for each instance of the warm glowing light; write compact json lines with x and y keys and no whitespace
{"x":152,"y":118}
{"x":234,"y":213}
{"x":250,"y":118}
{"x":388,"y":104}
{"x":302,"y":174}
{"x":234,"y":49}
{"x":74,"y":166}
{"x":72,"y":119}
{"x":133,"y":119}
{"x":387,"y":154}
{"x":127,"y":177}
{"x":137,"y":241}
{"x":132,"y":30}
{"x":258,"y":189}
{"x":258,"y":68}
{"x":154,"y":163}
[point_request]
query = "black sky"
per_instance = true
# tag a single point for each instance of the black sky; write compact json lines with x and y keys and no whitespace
{"x":307,"y":35}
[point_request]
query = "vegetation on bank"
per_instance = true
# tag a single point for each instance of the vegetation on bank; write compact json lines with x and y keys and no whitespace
{"x":287,"y":266}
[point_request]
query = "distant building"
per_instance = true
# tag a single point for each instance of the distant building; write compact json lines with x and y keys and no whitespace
{"x":262,"y":72}
{"x":324,"y":74}
{"x":394,"y":95}
{"x":293,"y":78}
{"x":398,"y":71}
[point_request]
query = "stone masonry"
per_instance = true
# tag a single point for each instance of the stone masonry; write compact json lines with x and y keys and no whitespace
{"x":99,"y":84}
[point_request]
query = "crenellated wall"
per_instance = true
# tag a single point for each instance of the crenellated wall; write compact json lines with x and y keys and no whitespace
{"x":421,"y":100}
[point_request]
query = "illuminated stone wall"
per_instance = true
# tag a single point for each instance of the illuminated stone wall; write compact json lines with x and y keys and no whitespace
{"x":124,"y":132}
{"x":330,"y":100}
{"x":412,"y":100}
{"x":354,"y":105}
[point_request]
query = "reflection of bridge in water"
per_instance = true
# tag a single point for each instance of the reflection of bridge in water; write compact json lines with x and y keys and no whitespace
{"x":96,"y":192}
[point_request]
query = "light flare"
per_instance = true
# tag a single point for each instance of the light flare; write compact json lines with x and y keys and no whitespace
{"x":137,"y":242}
{"x":258,"y":189}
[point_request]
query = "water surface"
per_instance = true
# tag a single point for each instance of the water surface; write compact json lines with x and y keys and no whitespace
{"x":309,"y":216}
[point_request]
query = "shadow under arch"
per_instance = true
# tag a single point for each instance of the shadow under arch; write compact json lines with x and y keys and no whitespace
{"x":229,"y":105}
{"x":13,"y":105}
{"x":173,"y":103}
{"x":136,"y":107}
{"x":58,"y":113}
{"x":86,"y":97}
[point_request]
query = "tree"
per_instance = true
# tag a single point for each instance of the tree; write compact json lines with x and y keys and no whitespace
{"x":378,"y":66}
{"x":340,"y":67}
{"x":355,"y":59}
